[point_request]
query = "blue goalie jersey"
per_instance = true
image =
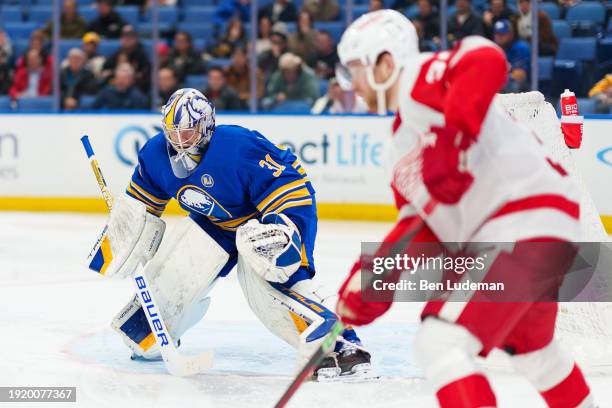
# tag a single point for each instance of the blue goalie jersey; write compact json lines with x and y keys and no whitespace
{"x":241,"y":175}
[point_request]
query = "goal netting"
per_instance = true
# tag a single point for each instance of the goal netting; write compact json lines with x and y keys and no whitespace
{"x":584,"y":327}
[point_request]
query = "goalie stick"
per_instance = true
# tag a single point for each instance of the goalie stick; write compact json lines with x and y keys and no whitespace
{"x":176,"y":363}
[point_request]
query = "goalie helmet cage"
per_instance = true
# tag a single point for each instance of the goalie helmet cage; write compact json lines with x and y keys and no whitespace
{"x":583,"y":327}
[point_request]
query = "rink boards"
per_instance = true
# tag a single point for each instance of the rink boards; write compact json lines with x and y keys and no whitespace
{"x":43,"y":167}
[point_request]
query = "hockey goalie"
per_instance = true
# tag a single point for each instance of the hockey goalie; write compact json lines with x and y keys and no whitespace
{"x":250,"y":204}
{"x":463,"y":171}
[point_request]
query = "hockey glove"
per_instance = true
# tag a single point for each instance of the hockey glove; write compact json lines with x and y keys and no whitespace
{"x":442,"y":170}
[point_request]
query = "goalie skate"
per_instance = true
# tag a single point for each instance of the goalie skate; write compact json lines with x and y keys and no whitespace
{"x":350,"y":364}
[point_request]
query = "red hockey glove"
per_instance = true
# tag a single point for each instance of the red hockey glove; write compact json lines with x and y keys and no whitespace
{"x":442,"y":175}
{"x":351,"y":307}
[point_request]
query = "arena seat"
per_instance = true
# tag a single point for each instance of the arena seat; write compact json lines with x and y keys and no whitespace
{"x":20,"y":29}
{"x":130,"y":14}
{"x":551,"y":9}
{"x":10,"y":14}
{"x":200,"y":15}
{"x":167,"y":15}
{"x":35,"y":104}
{"x":40,"y":14}
{"x":562,"y":29}
{"x":292,"y":107}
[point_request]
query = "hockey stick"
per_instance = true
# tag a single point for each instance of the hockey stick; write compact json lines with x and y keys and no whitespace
{"x":327,"y":345}
{"x":176,"y":363}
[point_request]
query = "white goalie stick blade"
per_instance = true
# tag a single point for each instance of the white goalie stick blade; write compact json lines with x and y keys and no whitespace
{"x":176,"y":363}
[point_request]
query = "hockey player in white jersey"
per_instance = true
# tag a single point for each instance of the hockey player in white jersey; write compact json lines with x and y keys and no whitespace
{"x":463,"y":171}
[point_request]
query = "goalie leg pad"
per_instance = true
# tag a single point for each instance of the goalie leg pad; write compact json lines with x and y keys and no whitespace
{"x":181,"y":275}
{"x":293,"y":316}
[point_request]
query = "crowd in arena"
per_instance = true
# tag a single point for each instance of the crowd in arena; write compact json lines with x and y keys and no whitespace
{"x":106,"y":50}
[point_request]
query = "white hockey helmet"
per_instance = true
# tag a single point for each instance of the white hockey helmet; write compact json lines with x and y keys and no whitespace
{"x":188,"y":121}
{"x":371,"y":35}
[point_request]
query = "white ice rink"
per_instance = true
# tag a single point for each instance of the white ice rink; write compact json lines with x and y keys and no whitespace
{"x":54,"y":331}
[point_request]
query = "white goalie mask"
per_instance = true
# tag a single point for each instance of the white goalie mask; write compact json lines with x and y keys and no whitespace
{"x":366,"y":39}
{"x":188,"y":123}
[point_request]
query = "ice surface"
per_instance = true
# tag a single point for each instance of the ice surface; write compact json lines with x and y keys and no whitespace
{"x":55,"y":315}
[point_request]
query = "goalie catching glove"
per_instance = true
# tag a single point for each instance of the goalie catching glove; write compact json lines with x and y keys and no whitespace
{"x":271,"y":247}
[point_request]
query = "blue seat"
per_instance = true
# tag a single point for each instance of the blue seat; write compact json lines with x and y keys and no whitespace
{"x":580,"y":49}
{"x":335,"y":28}
{"x":197,"y":30}
{"x":19,"y":30}
{"x":36,"y":104}
{"x":591,"y":11}
{"x":219,"y":62}
{"x":88,"y":13}
{"x":66,"y":45}
{"x":412,"y":11}
{"x":146,"y":29}
{"x":586,"y":105}
{"x":40,"y":14}
{"x":20,"y":46}
{"x":85,"y":2}
{"x":108,"y":47}
{"x":604,"y":50}
{"x":10,"y":13}
{"x":5,"y":103}
{"x":562,"y":29}
{"x":202,"y":15}
{"x":86,"y":102}
{"x":199,"y":82}
{"x":168,"y":15}
{"x":545,"y":68}
{"x":292,"y":107}
{"x":551,"y":9}
{"x":129,"y":13}
{"x":189,"y":3}
{"x":359,"y":10}
{"x":566,"y":74}
{"x":199,"y":43}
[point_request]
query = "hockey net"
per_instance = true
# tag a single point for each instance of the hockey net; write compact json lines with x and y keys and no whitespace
{"x":584,"y":327}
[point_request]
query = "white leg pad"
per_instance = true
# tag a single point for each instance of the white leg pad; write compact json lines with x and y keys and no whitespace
{"x":447,"y":352}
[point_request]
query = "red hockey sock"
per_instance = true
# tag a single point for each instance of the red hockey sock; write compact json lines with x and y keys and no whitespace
{"x":569,"y":393}
{"x":472,"y":391}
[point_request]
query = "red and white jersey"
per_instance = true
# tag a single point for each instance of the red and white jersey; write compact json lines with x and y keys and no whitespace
{"x":511,"y":172}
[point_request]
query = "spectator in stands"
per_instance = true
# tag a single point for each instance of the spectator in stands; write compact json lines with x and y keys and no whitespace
{"x":322,"y":10}
{"x":263,"y":42}
{"x":237,"y":75}
{"x":37,"y":42}
{"x":294,"y":81}
{"x":280,"y":10}
{"x":131,"y":49}
{"x":121,"y":94}
{"x":499,"y":10}
{"x":76,"y":80}
{"x":548,"y":44}
{"x":220,"y":94}
{"x":268,"y":60}
{"x":94,"y":62}
{"x":303,"y":42}
{"x":375,"y":5}
{"x":429,"y":19}
{"x":72,"y":24}
{"x":228,"y":9}
{"x":167,"y":81}
{"x":33,"y":78}
{"x":602,"y":94}
{"x":518,"y":56}
{"x":108,"y":23}
{"x":234,"y":37}
{"x":339,"y":101}
{"x":184,"y":59}
{"x":327,"y":57}
{"x":464,"y":22}
{"x":6,"y":51}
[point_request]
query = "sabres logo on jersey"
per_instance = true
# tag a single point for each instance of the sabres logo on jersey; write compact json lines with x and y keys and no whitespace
{"x":195,"y":199}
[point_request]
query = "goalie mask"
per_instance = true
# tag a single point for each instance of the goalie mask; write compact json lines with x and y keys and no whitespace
{"x":365,"y":40}
{"x":188,"y":123}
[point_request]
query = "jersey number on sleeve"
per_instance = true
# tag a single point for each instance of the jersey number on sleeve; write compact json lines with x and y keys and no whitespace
{"x":272,"y":165}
